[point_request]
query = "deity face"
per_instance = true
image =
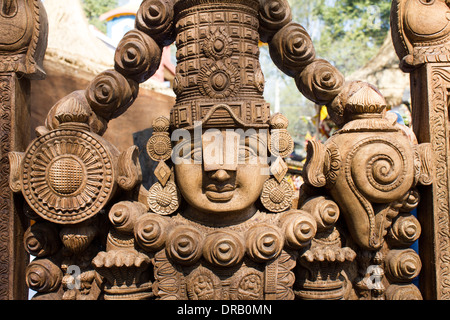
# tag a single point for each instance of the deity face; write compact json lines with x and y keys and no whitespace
{"x":223,"y":175}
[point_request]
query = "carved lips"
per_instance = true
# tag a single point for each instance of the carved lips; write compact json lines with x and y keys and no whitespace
{"x":219,"y":193}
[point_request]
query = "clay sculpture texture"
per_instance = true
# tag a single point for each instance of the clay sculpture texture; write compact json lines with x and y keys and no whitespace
{"x":219,"y":223}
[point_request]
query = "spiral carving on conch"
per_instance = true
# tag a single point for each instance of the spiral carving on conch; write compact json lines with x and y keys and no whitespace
{"x":184,"y":245}
{"x":379,"y":172}
{"x":137,"y":56}
{"x":378,"y":168}
{"x":291,"y":49}
{"x":264,"y":242}
{"x":273,"y":15}
{"x":223,"y":249}
{"x":155,"y":18}
{"x":320,"y":82}
{"x":150,"y":231}
{"x":110,"y":94}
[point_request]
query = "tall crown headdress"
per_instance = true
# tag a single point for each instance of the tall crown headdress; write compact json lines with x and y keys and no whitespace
{"x":219,"y":79}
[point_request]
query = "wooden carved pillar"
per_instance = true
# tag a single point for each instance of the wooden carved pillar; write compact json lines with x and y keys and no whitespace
{"x":218,"y":223}
{"x":22,"y":47}
{"x":421,"y":30}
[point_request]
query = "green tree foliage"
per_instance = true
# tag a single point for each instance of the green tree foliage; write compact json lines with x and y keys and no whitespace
{"x":347,"y":33}
{"x":351,"y":31}
{"x":95,"y":8}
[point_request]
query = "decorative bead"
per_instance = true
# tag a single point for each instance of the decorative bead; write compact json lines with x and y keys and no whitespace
{"x":150,"y":231}
{"x":264,"y":242}
{"x":320,"y":82}
{"x":273,"y":15}
{"x":184,"y":245}
{"x":137,"y":56}
{"x":299,"y":228}
{"x":223,"y":249}
{"x":291,"y":49}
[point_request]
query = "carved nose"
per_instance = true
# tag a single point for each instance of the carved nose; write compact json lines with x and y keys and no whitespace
{"x":220,"y":175}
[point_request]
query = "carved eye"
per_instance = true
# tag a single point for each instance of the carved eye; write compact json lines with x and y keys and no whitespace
{"x":427,"y":2}
{"x":191,"y":154}
{"x":186,"y":153}
{"x":196,"y":154}
{"x":244,"y":153}
{"x":247,"y":153}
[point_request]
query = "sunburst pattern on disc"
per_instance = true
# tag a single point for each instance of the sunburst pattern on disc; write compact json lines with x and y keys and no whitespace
{"x":163,"y":200}
{"x":67,"y":176}
{"x":277,"y":197}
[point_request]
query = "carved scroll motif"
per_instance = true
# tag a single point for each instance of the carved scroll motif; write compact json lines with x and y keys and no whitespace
{"x":5,"y":197}
{"x":273,"y":15}
{"x":222,"y":230}
{"x":439,"y":142}
{"x":138,"y":56}
{"x":155,"y":18}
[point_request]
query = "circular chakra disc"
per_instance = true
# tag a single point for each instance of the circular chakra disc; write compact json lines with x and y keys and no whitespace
{"x":277,"y":197}
{"x":159,"y":147}
{"x":67,"y":176}
{"x":164,"y":200}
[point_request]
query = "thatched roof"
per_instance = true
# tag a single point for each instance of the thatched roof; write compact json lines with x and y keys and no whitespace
{"x":72,"y":43}
{"x":70,"y":39}
{"x":383,"y":72}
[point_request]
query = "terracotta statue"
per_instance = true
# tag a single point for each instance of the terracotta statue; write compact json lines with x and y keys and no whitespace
{"x":212,"y":228}
{"x":219,"y":223}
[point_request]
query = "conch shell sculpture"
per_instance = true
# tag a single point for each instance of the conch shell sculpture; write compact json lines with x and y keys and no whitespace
{"x":368,"y":166}
{"x":220,"y":222}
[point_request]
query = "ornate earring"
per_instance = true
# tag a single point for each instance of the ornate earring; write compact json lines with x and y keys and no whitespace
{"x":277,"y":193}
{"x":163,"y":196}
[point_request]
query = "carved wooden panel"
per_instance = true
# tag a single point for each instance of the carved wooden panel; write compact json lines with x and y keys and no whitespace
{"x":219,"y":222}
{"x":22,"y":46}
{"x":5,"y":194}
{"x":422,"y":46}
